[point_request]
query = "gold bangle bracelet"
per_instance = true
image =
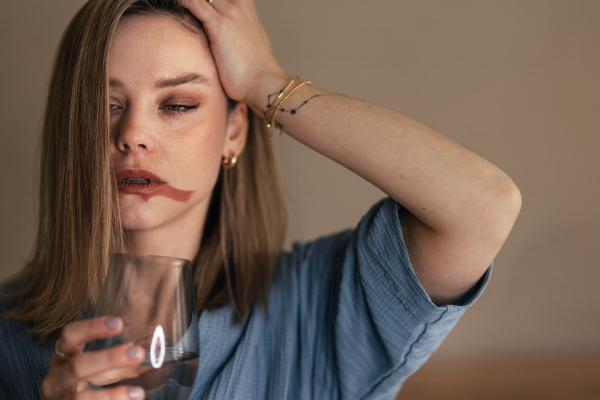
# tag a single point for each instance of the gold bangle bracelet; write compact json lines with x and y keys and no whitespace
{"x":283,"y":93}
{"x":285,"y":98}
{"x":274,"y":108}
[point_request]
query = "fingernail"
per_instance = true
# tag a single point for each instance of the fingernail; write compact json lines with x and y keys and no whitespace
{"x":134,"y":352}
{"x":135,"y":392}
{"x":112,"y":322}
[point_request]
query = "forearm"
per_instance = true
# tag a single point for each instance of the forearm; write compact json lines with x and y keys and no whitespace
{"x":448,"y":188}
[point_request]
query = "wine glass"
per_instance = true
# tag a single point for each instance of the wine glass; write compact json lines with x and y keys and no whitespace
{"x":155,"y":298}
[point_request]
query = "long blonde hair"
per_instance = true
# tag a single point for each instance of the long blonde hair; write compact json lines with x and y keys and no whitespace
{"x":79,"y":225}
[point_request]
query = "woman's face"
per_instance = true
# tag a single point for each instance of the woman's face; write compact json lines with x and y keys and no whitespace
{"x":168,"y":121}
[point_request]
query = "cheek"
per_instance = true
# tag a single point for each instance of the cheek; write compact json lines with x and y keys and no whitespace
{"x":197,"y":156}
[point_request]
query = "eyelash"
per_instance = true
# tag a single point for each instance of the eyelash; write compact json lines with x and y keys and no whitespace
{"x":186,"y":108}
{"x":180,"y":111}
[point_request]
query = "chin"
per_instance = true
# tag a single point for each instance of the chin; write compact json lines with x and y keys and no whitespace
{"x":129,"y":225}
{"x":139,"y":216}
{"x":136,"y":223}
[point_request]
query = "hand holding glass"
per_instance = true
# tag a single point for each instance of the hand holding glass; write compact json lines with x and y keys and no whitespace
{"x":155,"y":298}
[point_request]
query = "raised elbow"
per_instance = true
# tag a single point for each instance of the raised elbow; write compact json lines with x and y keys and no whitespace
{"x":509,"y":200}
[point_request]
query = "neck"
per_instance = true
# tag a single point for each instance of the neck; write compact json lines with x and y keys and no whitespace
{"x":177,"y":238}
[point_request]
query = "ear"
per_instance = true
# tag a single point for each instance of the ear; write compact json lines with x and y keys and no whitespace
{"x":237,"y":130}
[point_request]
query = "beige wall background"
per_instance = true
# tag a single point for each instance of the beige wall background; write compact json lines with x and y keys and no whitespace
{"x":515,"y":81}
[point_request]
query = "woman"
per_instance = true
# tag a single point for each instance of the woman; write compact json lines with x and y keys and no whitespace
{"x":152,"y":145}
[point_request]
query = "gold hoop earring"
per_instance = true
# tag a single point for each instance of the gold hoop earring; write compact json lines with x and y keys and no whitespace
{"x":229,"y":162}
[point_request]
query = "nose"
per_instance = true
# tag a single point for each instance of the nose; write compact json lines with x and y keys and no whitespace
{"x":133,"y":134}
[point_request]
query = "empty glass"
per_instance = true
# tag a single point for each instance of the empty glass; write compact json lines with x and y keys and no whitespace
{"x":155,"y":298}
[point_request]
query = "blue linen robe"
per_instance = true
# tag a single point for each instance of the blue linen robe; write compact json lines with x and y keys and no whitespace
{"x":348,"y":319}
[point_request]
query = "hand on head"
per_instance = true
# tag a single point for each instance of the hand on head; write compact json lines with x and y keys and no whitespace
{"x":239,"y":44}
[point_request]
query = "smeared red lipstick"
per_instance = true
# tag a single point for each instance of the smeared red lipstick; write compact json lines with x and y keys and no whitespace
{"x":148,"y":185}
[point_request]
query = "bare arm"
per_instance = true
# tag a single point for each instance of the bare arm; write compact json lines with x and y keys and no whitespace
{"x":461,"y":206}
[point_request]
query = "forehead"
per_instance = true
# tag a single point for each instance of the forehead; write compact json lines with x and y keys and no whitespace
{"x":155,"y":45}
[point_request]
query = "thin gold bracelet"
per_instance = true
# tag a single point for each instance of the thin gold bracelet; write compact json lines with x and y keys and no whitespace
{"x":270,"y":120}
{"x":285,"y":98}
{"x":276,"y":102}
{"x":267,"y":125}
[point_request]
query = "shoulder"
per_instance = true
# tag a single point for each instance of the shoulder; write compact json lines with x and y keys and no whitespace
{"x":12,"y":330}
{"x":23,"y":359}
{"x":313,"y":271}
{"x":378,"y":227}
{"x":310,"y":263}
{"x":6,"y":305}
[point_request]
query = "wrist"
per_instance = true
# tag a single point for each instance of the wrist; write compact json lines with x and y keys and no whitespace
{"x":268,"y":84}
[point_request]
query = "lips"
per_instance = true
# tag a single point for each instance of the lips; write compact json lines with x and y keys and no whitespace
{"x":137,"y":181}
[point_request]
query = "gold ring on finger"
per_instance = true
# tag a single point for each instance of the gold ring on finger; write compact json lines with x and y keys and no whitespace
{"x":60,"y":354}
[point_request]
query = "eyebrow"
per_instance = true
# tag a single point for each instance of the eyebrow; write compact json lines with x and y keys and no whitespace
{"x":169,"y":82}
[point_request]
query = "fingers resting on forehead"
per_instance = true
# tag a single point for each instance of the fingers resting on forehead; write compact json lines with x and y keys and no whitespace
{"x":204,"y":9}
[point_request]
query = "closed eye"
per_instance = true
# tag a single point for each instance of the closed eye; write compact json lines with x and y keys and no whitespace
{"x":180,"y":108}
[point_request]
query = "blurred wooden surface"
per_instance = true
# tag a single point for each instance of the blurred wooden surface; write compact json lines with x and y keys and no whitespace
{"x":527,"y":380}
